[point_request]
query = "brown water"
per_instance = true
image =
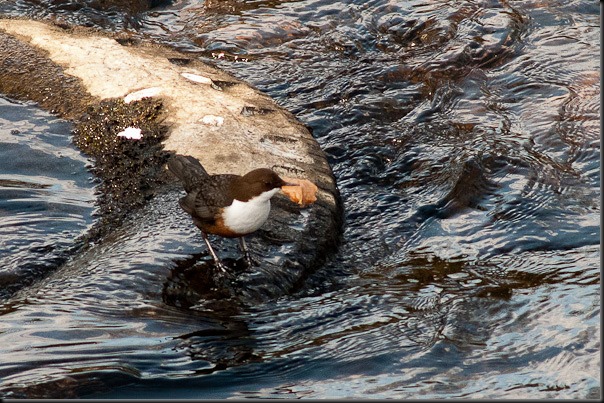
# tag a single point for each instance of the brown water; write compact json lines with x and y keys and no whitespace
{"x":465,"y":139}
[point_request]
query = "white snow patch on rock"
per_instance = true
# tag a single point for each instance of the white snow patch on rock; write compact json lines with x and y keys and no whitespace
{"x":212,"y":120}
{"x":131,"y":133}
{"x":197,"y":78}
{"x":145,"y":93}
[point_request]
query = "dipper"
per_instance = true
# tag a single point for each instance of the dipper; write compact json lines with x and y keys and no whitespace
{"x":227,"y":205}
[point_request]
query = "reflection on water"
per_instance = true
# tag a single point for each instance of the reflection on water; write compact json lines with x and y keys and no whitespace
{"x":465,"y":140}
{"x":45,"y":194}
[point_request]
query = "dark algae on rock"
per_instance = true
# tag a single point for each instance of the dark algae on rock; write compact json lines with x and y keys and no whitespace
{"x":129,"y":170}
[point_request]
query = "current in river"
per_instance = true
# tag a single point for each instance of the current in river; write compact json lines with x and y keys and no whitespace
{"x":465,"y":140}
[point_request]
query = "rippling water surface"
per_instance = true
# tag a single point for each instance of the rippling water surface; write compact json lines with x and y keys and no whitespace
{"x":46,"y":197}
{"x":465,"y":139}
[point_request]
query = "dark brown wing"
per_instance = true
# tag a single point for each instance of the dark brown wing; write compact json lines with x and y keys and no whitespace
{"x":206,"y":200}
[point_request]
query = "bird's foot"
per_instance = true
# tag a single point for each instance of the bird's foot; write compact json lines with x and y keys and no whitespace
{"x":246,"y":254}
{"x":223,"y":270}
{"x":224,"y":279}
{"x":249,"y":261}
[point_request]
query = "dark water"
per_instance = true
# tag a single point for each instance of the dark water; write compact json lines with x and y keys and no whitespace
{"x":46,"y":194}
{"x":465,"y":139}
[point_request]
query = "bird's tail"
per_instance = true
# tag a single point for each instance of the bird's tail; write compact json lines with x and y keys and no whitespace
{"x":188,"y":170}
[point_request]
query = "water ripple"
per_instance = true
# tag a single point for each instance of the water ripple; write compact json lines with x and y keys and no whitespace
{"x":46,"y":195}
{"x":465,"y":141}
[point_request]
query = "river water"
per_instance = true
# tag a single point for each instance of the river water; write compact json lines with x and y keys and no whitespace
{"x":465,"y":140}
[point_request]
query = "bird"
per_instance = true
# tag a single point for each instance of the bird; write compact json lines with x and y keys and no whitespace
{"x":226,"y":205}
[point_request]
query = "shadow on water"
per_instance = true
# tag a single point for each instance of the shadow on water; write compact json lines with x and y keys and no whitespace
{"x":465,"y":141}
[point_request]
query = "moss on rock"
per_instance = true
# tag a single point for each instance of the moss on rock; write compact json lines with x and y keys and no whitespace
{"x":129,"y":170}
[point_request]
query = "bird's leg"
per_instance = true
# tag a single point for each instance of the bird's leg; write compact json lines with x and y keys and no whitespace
{"x":246,"y":253}
{"x":217,"y":260}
